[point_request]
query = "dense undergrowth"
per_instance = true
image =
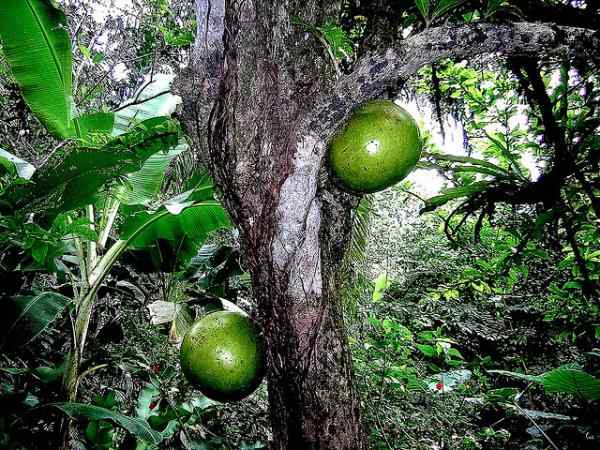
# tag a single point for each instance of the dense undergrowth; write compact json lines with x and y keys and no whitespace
{"x":425,"y":345}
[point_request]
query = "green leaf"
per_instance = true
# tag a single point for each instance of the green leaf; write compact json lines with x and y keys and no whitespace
{"x":148,"y":394}
{"x":423,"y":6}
{"x":445,"y":6}
{"x":576,"y":382}
{"x":136,"y":426}
{"x":25,"y":317}
{"x":96,"y":123}
{"x":142,"y":186}
{"x":73,"y":181}
{"x":50,"y":374}
{"x":519,"y":376}
{"x":38,"y":48}
{"x":565,"y":380}
{"x":468,"y":160}
{"x":16,"y":166}
{"x":576,"y":285}
{"x":502,"y":395}
{"x":337,"y":39}
{"x":454,"y":193}
{"x":427,"y":350}
{"x":381,"y":284}
{"x":542,"y":219}
{"x":193,"y":214}
{"x":453,"y":352}
{"x":147,"y":103}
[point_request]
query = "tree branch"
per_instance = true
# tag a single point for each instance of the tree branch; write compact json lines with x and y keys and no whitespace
{"x":375,"y":73}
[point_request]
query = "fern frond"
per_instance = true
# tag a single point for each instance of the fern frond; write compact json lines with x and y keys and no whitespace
{"x":352,"y":285}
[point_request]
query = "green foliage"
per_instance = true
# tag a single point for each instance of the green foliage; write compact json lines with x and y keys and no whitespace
{"x":337,"y":39}
{"x":136,"y":426}
{"x":454,"y":193}
{"x":96,"y":124}
{"x":25,"y":317}
{"x":563,"y":380}
{"x":143,"y":186}
{"x":163,"y":28}
{"x":440,"y":8}
{"x":191,"y":215}
{"x":74,"y":180}
{"x":38,"y":49}
{"x":14,"y":167}
{"x":382,"y":282}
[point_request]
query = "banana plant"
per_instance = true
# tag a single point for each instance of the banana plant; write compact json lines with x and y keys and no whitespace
{"x":37,"y":46}
{"x":110,"y":171}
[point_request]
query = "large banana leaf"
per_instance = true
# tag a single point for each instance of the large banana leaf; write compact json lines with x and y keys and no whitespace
{"x":151,"y":100}
{"x":142,"y":186}
{"x":193,"y":214}
{"x":101,"y":122}
{"x":167,"y":238}
{"x":75,"y":179}
{"x":38,"y":48}
{"x":25,"y":317}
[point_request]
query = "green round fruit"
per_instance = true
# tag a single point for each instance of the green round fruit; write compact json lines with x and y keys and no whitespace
{"x":222,"y":356}
{"x":378,"y":147}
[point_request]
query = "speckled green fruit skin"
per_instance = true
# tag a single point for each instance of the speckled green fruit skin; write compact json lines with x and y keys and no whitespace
{"x":378,"y":147}
{"x":222,"y":356}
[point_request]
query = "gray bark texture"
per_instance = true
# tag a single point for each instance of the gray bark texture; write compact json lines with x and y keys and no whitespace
{"x":278,"y":103}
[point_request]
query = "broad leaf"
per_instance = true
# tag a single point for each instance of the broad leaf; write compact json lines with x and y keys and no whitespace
{"x":193,"y":214}
{"x":136,"y":426}
{"x":148,"y":394}
{"x":337,"y":38}
{"x":499,"y":171}
{"x":147,"y":103}
{"x":74,"y":180}
{"x":212,"y":268}
{"x":25,"y":317}
{"x":382,"y":283}
{"x":565,"y":380}
{"x":572,"y":381}
{"x":519,"y":376}
{"x":16,"y":166}
{"x":142,"y":186}
{"x":90,"y":124}
{"x":38,"y":48}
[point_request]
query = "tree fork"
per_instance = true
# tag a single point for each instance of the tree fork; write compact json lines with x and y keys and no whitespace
{"x":277,"y":106}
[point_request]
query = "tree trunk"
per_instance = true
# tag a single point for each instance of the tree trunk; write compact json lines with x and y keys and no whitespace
{"x":293,"y":232}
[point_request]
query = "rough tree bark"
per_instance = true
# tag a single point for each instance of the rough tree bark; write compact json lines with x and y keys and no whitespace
{"x":268,"y":172}
{"x":277,"y":106}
